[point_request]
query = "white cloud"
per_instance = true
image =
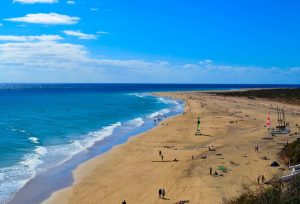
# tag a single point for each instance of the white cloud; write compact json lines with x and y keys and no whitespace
{"x":30,"y":38}
{"x":46,"y":18}
{"x":71,"y":2}
{"x":80,"y":35}
{"x":42,"y":55}
{"x":55,"y":61}
{"x":36,"y":1}
{"x":94,"y":9}
{"x":205,"y":62}
{"x":102,"y":33}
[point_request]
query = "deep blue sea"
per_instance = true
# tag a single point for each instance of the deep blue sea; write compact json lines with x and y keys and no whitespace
{"x":44,"y":125}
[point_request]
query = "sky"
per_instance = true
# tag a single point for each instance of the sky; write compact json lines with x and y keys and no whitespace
{"x":157,"y":41}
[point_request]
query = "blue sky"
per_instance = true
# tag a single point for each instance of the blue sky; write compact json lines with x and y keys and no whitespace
{"x":169,"y":41}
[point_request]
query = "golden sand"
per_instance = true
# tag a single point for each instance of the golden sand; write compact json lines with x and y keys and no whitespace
{"x":134,"y":171}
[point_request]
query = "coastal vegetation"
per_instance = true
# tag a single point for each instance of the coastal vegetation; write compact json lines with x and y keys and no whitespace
{"x":291,"y":152}
{"x":276,"y":193}
{"x":291,"y":95}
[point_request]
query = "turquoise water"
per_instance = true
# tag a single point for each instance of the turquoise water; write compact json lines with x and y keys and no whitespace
{"x":44,"y":125}
{"x":42,"y":129}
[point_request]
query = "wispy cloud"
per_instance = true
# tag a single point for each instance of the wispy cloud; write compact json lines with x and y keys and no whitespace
{"x":46,"y":18}
{"x":36,"y":1}
{"x":71,"y":2}
{"x":102,"y":33}
{"x":94,"y":9}
{"x":80,"y":35}
{"x":295,"y":70}
{"x":19,"y":38}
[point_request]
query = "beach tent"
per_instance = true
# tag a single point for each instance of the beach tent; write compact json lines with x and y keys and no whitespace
{"x":274,"y":164}
{"x":221,"y":168}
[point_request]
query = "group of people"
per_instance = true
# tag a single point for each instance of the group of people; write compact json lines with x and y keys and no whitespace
{"x":157,"y":120}
{"x":161,"y":193}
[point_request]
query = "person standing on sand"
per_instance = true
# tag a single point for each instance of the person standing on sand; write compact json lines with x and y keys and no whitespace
{"x":160,"y":153}
{"x":210,"y":170}
{"x":162,"y":158}
{"x":124,"y":202}
{"x":159,"y":193}
{"x":163,"y":193}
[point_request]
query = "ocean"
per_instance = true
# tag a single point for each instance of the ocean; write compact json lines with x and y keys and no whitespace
{"x":43,"y":126}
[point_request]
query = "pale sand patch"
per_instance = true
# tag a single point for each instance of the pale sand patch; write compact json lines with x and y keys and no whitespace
{"x":133,"y":171}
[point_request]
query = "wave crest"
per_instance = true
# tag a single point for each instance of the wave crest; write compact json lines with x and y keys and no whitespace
{"x":34,"y":140}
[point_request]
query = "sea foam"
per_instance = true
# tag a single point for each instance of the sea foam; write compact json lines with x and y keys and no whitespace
{"x":159,"y":113}
{"x":34,"y":140}
{"x":137,"y":122}
{"x":140,"y":95}
{"x":43,"y":158}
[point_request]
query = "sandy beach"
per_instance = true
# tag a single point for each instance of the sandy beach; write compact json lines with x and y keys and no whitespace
{"x":134,"y":171}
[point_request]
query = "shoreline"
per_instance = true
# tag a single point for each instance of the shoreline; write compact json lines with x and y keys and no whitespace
{"x":87,"y":168}
{"x":88,"y":174}
{"x":64,"y":172}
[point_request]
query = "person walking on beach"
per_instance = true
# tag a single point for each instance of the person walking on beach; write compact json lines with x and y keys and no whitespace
{"x":162,"y":158}
{"x":210,"y":170}
{"x":160,"y":193}
{"x":124,"y":202}
{"x":262,"y":179}
{"x":163,"y":193}
{"x":160,"y":153}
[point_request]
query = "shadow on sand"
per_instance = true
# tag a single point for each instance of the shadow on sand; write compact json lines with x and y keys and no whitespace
{"x":166,"y":161}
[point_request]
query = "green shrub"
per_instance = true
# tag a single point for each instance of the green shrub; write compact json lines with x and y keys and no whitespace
{"x":277,"y":193}
{"x":292,"y":151}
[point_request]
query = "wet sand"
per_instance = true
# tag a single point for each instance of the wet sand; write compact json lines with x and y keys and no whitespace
{"x":134,"y":171}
